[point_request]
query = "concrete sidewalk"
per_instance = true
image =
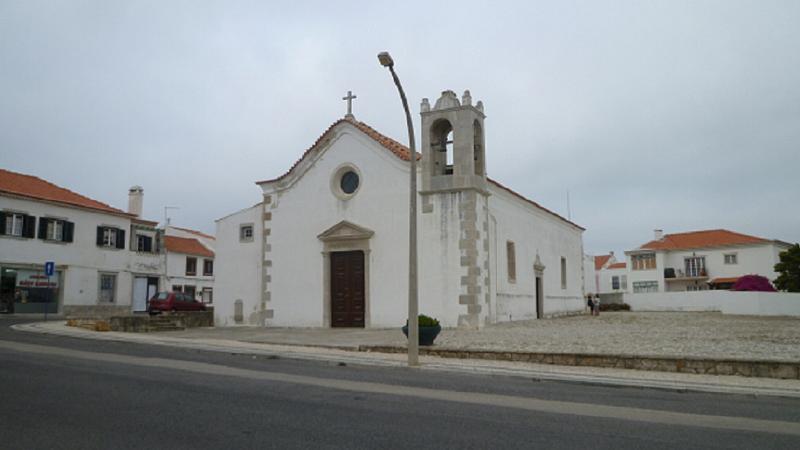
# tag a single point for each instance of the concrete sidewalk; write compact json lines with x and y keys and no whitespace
{"x":340,"y":351}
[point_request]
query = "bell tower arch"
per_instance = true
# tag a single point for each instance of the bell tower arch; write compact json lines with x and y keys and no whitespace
{"x":453,"y":156}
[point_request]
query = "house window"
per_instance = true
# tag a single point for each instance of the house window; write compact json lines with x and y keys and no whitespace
{"x":645,"y":286}
{"x":646,"y":261}
{"x":695,"y":266}
{"x":55,"y":230}
{"x":189,"y":290}
{"x":208,"y":295}
{"x":108,"y":286}
{"x":191,"y":266}
{"x":144,"y":243}
{"x":110,"y":237}
{"x":177,"y":288}
{"x":731,"y":258}
{"x":17,"y":224}
{"x":208,"y":267}
{"x":563,"y":273}
{"x":615,"y":282}
{"x":511,"y":261}
{"x":246,"y":233}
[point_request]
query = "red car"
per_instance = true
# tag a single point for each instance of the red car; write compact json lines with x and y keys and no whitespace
{"x":173,"y":301}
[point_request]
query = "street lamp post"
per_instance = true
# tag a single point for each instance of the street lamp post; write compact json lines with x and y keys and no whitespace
{"x":413,"y":300}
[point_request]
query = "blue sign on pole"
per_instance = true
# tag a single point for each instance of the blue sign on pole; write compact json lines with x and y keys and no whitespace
{"x":49,"y":268}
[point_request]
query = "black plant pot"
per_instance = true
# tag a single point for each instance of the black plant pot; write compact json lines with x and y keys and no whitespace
{"x":426,"y":334}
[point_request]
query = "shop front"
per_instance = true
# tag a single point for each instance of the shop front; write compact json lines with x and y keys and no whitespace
{"x":28,"y":291}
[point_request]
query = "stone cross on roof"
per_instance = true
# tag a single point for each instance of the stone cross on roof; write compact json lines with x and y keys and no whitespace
{"x":349,"y":99}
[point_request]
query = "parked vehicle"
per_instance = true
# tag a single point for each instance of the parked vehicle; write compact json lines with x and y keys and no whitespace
{"x":173,"y":302}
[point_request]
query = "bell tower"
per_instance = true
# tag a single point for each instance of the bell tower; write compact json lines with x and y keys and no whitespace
{"x":453,"y":156}
{"x":455,"y":209}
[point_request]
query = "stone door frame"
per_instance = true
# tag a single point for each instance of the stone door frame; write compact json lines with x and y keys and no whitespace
{"x":344,"y":237}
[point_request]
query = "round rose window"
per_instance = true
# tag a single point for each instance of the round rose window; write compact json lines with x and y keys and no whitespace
{"x":349,"y":182}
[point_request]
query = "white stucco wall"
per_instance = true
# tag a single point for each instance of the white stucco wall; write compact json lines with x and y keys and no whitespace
{"x":237,"y":267}
{"x":590,"y":281}
{"x":176,"y":272}
{"x":81,"y":260}
{"x":605,"y":276}
{"x":533,"y":232}
{"x":309,"y":207}
{"x":727,"y":302}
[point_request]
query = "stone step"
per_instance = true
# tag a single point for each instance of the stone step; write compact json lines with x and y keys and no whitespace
{"x":166,"y":328}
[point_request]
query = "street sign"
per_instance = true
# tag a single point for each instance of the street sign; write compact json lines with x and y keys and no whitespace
{"x":49,"y":268}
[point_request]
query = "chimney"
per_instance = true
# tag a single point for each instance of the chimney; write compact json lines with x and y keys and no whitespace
{"x":658,"y":234}
{"x":135,"y":200}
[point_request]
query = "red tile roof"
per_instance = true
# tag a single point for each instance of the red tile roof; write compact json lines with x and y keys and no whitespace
{"x":187,"y":246}
{"x":619,"y":265}
{"x":402,"y":152}
{"x":600,"y":261}
{"x":199,"y":233}
{"x":702,"y":239}
{"x":35,"y":188}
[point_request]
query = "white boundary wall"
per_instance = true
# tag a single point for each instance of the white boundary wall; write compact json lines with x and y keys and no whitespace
{"x":727,"y":302}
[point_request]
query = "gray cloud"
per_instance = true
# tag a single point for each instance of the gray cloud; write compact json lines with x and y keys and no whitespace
{"x":677,"y":115}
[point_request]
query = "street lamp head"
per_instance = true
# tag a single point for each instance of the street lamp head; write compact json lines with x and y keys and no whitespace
{"x":385,"y":59}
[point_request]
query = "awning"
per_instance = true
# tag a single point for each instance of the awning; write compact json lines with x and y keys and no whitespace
{"x":724,"y":280}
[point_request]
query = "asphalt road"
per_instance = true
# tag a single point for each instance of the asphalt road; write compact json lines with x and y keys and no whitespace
{"x":58,"y":392}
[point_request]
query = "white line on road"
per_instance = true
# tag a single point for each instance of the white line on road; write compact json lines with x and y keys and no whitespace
{"x":523,"y":403}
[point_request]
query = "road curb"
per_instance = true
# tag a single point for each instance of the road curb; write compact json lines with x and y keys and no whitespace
{"x":786,"y":370}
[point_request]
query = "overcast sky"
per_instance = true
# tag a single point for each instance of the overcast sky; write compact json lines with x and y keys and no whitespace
{"x":681,"y":115}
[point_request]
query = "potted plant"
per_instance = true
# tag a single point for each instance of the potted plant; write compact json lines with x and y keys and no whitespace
{"x":429,"y":328}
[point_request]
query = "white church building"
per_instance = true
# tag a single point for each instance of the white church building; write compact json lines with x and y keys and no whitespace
{"x":327,"y":245}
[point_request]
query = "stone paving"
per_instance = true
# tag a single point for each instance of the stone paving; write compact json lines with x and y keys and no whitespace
{"x":706,"y":335}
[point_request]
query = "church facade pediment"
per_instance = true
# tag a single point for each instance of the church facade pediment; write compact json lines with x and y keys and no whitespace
{"x":345,"y":231}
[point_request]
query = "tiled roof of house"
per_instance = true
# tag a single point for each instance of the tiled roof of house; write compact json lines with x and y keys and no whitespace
{"x":188,"y":246}
{"x":702,"y":239}
{"x":619,"y":265}
{"x":35,"y":188}
{"x":198,"y":233}
{"x":600,"y":261}
{"x":402,"y":152}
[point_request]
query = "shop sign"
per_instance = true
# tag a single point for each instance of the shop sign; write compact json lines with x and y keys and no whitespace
{"x":31,"y":279}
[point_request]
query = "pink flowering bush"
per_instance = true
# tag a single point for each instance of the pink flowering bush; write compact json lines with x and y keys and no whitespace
{"x":753,"y":283}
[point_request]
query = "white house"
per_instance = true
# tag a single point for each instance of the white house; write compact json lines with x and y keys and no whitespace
{"x":700,"y":260}
{"x":190,"y":262}
{"x":613,"y":278}
{"x":107,"y":261}
{"x":328,"y":244}
{"x":595,"y":283}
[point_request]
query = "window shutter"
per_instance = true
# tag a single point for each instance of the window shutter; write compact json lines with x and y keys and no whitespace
{"x":120,"y":238}
{"x":69,"y":229}
{"x":43,"y":228}
{"x":148,"y":244}
{"x":2,"y":223}
{"x":100,"y":236}
{"x":29,"y":226}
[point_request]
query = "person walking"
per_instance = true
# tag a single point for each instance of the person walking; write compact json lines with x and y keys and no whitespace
{"x":596,"y":305}
{"x":590,"y":304}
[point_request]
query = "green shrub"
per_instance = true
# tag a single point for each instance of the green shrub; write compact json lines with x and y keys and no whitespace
{"x":426,"y":321}
{"x":615,"y":307}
